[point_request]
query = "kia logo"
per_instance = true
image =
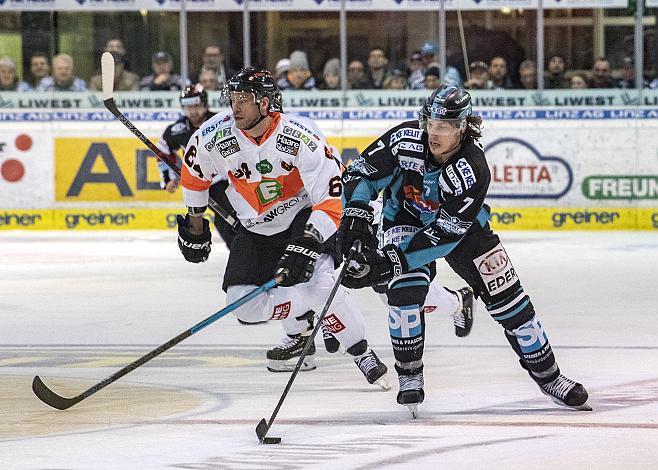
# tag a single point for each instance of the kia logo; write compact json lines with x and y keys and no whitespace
{"x":494,"y":263}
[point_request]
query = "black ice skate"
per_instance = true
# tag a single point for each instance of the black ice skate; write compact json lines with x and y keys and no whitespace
{"x":373,"y":369}
{"x":283,"y":358}
{"x":566,"y":392}
{"x":411,"y":392}
{"x":463,"y":317}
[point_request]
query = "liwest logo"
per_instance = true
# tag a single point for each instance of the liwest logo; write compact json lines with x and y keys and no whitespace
{"x":586,"y":217}
{"x":518,"y":171}
{"x":92,"y":219}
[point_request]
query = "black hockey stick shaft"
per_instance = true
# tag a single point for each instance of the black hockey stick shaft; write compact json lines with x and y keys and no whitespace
{"x":50,"y":398}
{"x":107,"y":73}
{"x":263,"y":427}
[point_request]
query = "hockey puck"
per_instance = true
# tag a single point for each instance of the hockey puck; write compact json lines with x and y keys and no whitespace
{"x":271,"y":440}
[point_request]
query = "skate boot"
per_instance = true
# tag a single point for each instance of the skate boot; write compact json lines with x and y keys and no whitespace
{"x":411,"y":392}
{"x":331,"y":344}
{"x":373,"y":369}
{"x":463,"y":317}
{"x":566,"y":392}
{"x":284,"y":358}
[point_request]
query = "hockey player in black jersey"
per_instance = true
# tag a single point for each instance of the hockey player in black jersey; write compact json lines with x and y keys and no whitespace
{"x":194,"y":102}
{"x":435,"y":178}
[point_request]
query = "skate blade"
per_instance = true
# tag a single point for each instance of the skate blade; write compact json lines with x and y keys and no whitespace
{"x":382,"y":383}
{"x":584,"y":407}
{"x":290,"y":364}
{"x":413,"y":409}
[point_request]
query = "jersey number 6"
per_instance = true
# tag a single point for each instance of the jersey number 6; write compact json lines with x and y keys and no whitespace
{"x":335,"y":187}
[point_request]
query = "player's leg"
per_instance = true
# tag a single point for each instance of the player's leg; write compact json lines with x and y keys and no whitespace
{"x":343,"y":321}
{"x":481,"y":260}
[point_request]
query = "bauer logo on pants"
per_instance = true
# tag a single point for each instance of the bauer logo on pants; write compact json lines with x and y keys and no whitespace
{"x":496,"y":270}
{"x":281,"y":311}
{"x":332,"y":324}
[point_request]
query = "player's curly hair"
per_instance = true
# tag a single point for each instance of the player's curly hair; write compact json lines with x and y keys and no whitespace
{"x":473,"y":127}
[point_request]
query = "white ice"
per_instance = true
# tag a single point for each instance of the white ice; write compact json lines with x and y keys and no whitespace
{"x":75,"y":308}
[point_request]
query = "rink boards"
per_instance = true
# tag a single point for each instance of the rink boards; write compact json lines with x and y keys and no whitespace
{"x":546,"y":174}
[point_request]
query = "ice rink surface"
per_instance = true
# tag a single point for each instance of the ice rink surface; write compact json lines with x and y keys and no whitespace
{"x":75,"y":308}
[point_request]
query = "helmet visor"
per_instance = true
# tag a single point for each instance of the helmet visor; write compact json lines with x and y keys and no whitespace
{"x":443,"y":126}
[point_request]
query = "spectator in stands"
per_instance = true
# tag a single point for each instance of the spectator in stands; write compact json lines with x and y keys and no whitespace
{"x":281,"y":68}
{"x":528,"y":75}
{"x":479,"y":72}
{"x":162,"y":78}
{"x":331,"y":75}
{"x":213,"y":59}
{"x":377,"y":68}
{"x":9,"y":78}
{"x":601,"y":74}
{"x":628,"y":75}
{"x":123,"y":80}
{"x":428,"y":52}
{"x":498,"y":73}
{"x":39,"y":69}
{"x":415,"y":64}
{"x":299,"y":76}
{"x":63,"y":78}
{"x":554,"y":76}
{"x":115,"y":45}
{"x":208,"y":80}
{"x":432,"y":78}
{"x":356,"y":76}
{"x":396,"y":80}
{"x":577,"y":82}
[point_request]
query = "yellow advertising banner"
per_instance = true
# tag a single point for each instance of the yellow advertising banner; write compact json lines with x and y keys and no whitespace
{"x":107,"y":170}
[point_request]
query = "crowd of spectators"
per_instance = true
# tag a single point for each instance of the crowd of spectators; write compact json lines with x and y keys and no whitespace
{"x":421,"y":71}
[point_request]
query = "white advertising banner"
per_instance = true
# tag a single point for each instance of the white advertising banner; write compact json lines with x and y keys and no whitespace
{"x":297,"y":5}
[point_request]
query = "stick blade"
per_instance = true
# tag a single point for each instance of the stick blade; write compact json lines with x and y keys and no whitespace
{"x":107,"y":74}
{"x":49,"y":397}
{"x":261,"y":432}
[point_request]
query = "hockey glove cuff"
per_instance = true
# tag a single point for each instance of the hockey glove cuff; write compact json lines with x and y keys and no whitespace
{"x":356,"y":223}
{"x":195,"y":248}
{"x":374,"y":267}
{"x":298,"y":261}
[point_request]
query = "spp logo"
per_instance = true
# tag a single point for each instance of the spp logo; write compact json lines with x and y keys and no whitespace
{"x":520,"y":171}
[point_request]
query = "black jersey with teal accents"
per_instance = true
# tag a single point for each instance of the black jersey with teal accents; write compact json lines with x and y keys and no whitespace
{"x":445,"y":201}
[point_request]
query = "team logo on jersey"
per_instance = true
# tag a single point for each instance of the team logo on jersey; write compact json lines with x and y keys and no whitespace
{"x":264,"y":167}
{"x":268,"y":191}
{"x":179,"y":128}
{"x":413,"y":198}
{"x":359,"y":165}
{"x":301,"y":136}
{"x":228,"y":147}
{"x":407,"y":132}
{"x":466,"y":171}
{"x":287,"y":145}
{"x":452,"y":224}
{"x":211,"y":144}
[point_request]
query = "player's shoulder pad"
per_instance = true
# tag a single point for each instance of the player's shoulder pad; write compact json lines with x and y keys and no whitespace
{"x":463,"y":171}
{"x":300,"y":130}
{"x":181,"y":126}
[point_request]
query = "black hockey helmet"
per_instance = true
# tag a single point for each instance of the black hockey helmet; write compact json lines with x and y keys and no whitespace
{"x":447,"y":103}
{"x":258,"y":81}
{"x":193,"y":95}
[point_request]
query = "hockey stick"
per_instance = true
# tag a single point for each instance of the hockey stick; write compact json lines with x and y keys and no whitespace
{"x":264,"y":426}
{"x":107,"y":73}
{"x":56,"y":401}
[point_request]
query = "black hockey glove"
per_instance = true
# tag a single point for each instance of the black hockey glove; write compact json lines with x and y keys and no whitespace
{"x":356,"y":223}
{"x":195,"y":248}
{"x":373,"y":267}
{"x":298,"y":261}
